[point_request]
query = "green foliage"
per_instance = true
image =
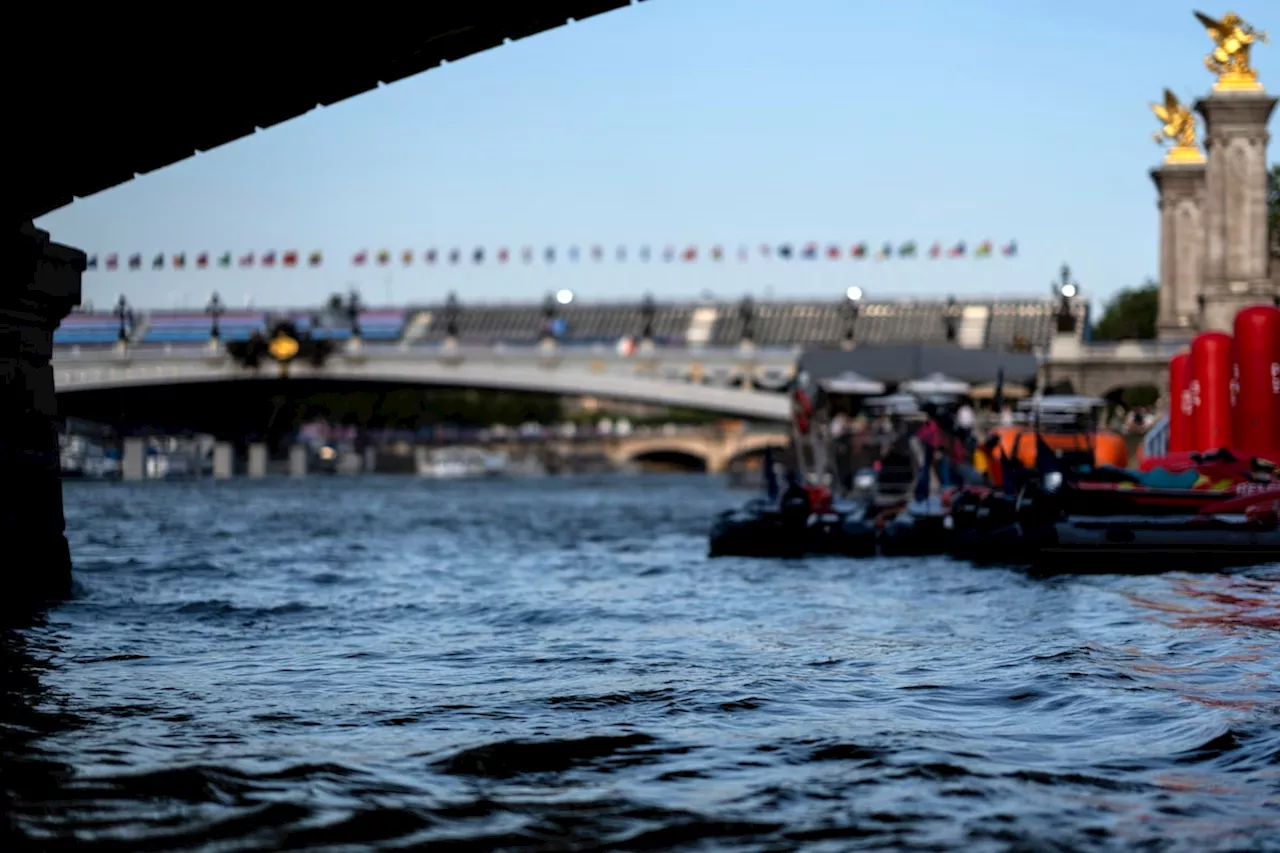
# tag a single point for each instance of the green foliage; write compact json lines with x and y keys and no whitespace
{"x":1130,"y":315}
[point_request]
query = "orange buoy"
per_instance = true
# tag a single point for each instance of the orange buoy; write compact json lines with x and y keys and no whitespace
{"x":1211,"y":361}
{"x":1255,"y":382}
{"x":1180,"y":429}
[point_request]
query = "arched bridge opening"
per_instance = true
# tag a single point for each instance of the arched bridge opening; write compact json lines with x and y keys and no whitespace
{"x":670,"y":461}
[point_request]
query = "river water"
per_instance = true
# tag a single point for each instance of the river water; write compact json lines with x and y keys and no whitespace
{"x":386,"y":663}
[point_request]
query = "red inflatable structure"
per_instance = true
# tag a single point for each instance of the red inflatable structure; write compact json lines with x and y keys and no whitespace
{"x":1211,"y":367}
{"x":1180,"y":429}
{"x":1255,"y":382}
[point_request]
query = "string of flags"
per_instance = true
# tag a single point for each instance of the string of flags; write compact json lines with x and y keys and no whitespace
{"x":528,"y":254}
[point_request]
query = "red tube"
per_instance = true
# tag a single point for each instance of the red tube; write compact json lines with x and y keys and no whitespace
{"x":1211,"y":360}
{"x":1180,"y":431}
{"x":1256,"y":382}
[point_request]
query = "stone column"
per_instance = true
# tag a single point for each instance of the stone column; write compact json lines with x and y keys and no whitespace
{"x":223,"y":460}
{"x":133,"y":462}
{"x":370,"y":460}
{"x":298,"y":460}
{"x":1182,"y":232}
{"x":1235,"y":211}
{"x":42,"y":288}
{"x":257,"y":460}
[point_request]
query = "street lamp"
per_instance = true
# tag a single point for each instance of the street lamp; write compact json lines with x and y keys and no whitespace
{"x":354,"y":307}
{"x":747,"y":314}
{"x":451,"y":311}
{"x":122,"y":311}
{"x":648,"y":310}
{"x":1065,"y":289}
{"x":564,"y":297}
{"x":215,"y":309}
{"x":949,"y":319}
{"x":850,"y":308}
{"x":549,"y":318}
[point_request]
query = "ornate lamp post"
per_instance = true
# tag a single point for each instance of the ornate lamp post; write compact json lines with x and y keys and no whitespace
{"x":1065,"y":289}
{"x":451,"y":311}
{"x":353,"y":309}
{"x":648,"y":310}
{"x":548,"y":335}
{"x":950,"y":320}
{"x":849,"y":310}
{"x":215,"y":309}
{"x":123,"y":312}
{"x":747,"y":314}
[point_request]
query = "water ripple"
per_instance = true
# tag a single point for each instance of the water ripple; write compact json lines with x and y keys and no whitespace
{"x":553,"y":665}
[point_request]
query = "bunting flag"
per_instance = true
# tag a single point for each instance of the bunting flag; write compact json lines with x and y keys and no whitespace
{"x":717,"y":252}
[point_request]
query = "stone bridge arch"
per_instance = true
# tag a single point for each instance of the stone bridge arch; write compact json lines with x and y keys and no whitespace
{"x":717,"y":452}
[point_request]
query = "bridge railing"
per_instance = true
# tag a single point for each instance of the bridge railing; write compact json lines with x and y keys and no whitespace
{"x":1156,"y":441}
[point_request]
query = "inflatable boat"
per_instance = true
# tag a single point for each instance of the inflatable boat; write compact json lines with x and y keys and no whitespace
{"x":790,"y":528}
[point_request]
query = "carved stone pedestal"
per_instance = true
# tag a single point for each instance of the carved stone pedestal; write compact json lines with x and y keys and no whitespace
{"x":43,"y":287}
{"x":1181,"y":188}
{"x":1236,"y":261}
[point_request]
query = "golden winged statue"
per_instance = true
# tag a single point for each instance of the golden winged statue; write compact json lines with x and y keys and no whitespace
{"x":1232,"y":39}
{"x":1179,"y":125}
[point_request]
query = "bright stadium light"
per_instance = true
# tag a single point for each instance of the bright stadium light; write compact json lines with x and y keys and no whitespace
{"x":854,"y":293}
{"x":564,"y":297}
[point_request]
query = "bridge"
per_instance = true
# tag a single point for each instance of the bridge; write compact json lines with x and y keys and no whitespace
{"x":701,"y":355}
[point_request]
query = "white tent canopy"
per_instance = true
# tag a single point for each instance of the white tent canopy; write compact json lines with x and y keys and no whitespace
{"x":849,"y":382}
{"x":935,"y":383}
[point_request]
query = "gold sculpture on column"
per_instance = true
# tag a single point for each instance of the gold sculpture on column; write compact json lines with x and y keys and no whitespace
{"x":1179,"y":125}
{"x":1232,"y":39}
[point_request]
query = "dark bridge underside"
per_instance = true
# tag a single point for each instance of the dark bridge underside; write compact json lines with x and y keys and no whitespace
{"x":112,"y":92}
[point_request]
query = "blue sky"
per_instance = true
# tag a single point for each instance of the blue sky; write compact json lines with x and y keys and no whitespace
{"x":700,"y":122}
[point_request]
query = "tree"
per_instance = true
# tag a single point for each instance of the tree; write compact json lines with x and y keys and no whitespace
{"x":1130,"y":315}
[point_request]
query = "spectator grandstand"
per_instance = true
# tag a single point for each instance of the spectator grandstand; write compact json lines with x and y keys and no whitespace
{"x":1026,"y":323}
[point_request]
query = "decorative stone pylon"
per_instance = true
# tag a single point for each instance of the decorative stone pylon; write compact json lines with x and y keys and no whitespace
{"x":1236,"y":250}
{"x":1180,"y":183}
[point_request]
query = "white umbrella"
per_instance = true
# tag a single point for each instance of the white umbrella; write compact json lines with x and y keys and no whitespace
{"x":852,"y":383}
{"x":935,"y":383}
